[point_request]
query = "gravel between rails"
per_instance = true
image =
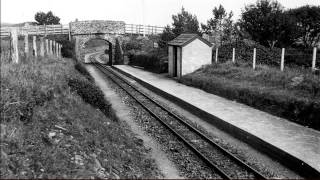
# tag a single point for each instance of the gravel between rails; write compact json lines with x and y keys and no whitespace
{"x":189,"y":165}
{"x":253,"y":163}
{"x":206,"y":148}
{"x":233,"y":169}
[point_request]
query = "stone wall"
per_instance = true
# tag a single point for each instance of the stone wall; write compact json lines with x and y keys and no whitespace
{"x":97,"y":26}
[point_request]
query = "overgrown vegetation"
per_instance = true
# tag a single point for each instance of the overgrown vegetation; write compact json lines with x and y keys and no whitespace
{"x":91,"y":94}
{"x":118,"y":54}
{"x":78,"y":66}
{"x":49,"y":131}
{"x":293,"y":94}
{"x":67,"y":50}
{"x":154,"y":61}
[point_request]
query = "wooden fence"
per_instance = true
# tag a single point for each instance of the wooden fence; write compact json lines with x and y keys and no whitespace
{"x":141,"y":29}
{"x":282,"y":60}
{"x":64,"y":29}
{"x":36,"y":30}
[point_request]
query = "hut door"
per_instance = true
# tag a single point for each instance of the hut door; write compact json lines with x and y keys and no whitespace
{"x":175,"y":60}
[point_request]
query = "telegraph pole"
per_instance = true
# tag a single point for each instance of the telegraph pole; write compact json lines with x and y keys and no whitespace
{"x":143,"y":18}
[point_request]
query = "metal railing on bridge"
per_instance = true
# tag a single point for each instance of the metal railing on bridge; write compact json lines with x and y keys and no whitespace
{"x":64,"y":29}
{"x":141,"y":29}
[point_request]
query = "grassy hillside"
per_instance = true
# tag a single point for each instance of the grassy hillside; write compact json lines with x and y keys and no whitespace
{"x":293,"y":94}
{"x":49,"y":131}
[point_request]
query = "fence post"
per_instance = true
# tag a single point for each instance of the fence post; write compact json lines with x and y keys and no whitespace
{"x":47,"y":47}
{"x":53,"y":47}
{"x":57,"y":49}
{"x":70,"y":31}
{"x":50,"y":47}
{"x":45,"y":30}
{"x":26,"y":44}
{"x":35,"y":46}
{"x":314,"y":58}
{"x":282,"y":59}
{"x":42,"y":46}
{"x":15,"y":53}
{"x":254,"y":58}
{"x":233,"y":55}
{"x":217,"y":51}
{"x":60,"y":50}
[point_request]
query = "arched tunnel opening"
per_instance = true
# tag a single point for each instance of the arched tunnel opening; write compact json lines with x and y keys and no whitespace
{"x":99,"y":50}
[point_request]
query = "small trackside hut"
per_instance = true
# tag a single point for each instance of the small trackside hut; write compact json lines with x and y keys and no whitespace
{"x":187,"y":53}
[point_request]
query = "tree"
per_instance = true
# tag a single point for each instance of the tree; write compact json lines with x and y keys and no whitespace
{"x":221,"y":25}
{"x":118,"y":54}
{"x":185,"y":22}
{"x":166,"y":36}
{"x":267,"y":23}
{"x":46,"y":18}
{"x":308,"y":23}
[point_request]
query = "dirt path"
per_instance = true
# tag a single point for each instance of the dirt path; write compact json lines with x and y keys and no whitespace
{"x":165,"y":165}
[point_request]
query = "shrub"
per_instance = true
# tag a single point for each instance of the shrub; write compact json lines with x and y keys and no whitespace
{"x":67,"y":50}
{"x":91,"y":94}
{"x":132,"y":45}
{"x":149,"y":62}
{"x":244,"y":52}
{"x":117,"y":54}
{"x":78,"y":66}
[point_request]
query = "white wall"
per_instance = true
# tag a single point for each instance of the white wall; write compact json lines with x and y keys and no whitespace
{"x":194,"y":55}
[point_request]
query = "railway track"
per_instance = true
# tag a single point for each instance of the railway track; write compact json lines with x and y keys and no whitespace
{"x":216,"y":157}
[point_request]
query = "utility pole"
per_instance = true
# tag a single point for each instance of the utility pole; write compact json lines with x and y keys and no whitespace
{"x":143,"y":18}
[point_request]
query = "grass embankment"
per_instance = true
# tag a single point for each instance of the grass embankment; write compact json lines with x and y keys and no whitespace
{"x":293,"y":94}
{"x":49,"y":131}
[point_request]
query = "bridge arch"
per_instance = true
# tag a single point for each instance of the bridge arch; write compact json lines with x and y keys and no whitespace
{"x":83,"y":31}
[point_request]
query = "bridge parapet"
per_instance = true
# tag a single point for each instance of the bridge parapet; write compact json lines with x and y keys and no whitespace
{"x":97,"y":26}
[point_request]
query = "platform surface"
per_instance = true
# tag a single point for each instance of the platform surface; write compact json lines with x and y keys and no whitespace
{"x":299,"y":141}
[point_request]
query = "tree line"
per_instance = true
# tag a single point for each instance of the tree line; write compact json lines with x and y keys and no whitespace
{"x":266,"y":22}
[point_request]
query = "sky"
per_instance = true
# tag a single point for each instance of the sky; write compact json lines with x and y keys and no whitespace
{"x":148,"y":12}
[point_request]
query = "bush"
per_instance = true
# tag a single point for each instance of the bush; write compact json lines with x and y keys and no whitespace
{"x":91,"y":94}
{"x":117,"y":54}
{"x":67,"y":50}
{"x":149,"y":62}
{"x":132,"y":45}
{"x":78,"y":66}
{"x":244,"y":53}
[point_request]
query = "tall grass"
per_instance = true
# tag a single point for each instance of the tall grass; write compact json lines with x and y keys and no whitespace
{"x":48,"y":131}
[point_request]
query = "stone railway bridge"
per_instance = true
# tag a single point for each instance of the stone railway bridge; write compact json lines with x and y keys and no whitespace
{"x":84,"y":31}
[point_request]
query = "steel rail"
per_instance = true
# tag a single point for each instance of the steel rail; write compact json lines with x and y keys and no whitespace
{"x":257,"y":174}
{"x":197,"y":152}
{"x":191,"y":127}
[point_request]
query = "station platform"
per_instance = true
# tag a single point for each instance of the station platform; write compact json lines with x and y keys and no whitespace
{"x":297,"y":146}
